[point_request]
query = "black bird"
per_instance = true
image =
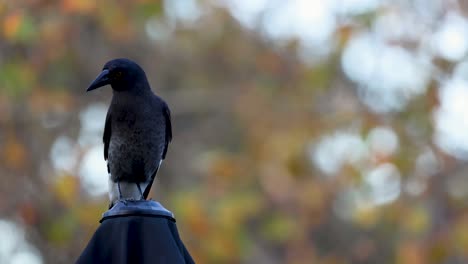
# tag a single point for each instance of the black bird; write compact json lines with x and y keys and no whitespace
{"x":137,"y":131}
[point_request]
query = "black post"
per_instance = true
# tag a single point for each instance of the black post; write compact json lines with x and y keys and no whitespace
{"x":136,"y":232}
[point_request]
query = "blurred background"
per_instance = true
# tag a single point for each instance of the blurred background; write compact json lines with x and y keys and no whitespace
{"x":305,"y":131}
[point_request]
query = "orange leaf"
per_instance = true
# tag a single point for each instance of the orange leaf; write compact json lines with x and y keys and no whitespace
{"x":14,"y":153}
{"x":11,"y":24}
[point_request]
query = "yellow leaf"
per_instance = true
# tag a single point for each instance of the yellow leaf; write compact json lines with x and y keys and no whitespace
{"x":416,"y":221}
{"x":66,"y":189}
{"x":81,"y":6}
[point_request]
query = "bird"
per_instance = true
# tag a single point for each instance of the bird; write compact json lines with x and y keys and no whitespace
{"x":137,"y":130}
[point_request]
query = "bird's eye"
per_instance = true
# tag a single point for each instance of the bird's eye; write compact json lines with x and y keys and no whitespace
{"x":118,"y":74}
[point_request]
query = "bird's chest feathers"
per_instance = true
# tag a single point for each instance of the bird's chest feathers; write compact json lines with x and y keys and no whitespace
{"x":128,"y":113}
{"x":126,"y":118}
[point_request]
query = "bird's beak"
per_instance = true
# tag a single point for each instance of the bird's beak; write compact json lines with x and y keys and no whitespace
{"x":101,"y":80}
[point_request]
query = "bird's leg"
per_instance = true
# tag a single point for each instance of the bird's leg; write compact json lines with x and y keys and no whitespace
{"x":139,"y":189}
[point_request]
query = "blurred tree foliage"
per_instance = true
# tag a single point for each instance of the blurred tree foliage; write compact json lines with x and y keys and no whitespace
{"x":246,"y":113}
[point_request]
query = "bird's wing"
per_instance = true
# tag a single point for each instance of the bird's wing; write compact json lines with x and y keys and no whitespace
{"x":168,"y":138}
{"x":107,"y":135}
{"x":167,"y":119}
{"x":150,"y":183}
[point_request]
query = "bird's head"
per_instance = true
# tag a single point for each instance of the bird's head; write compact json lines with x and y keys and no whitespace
{"x":121,"y":74}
